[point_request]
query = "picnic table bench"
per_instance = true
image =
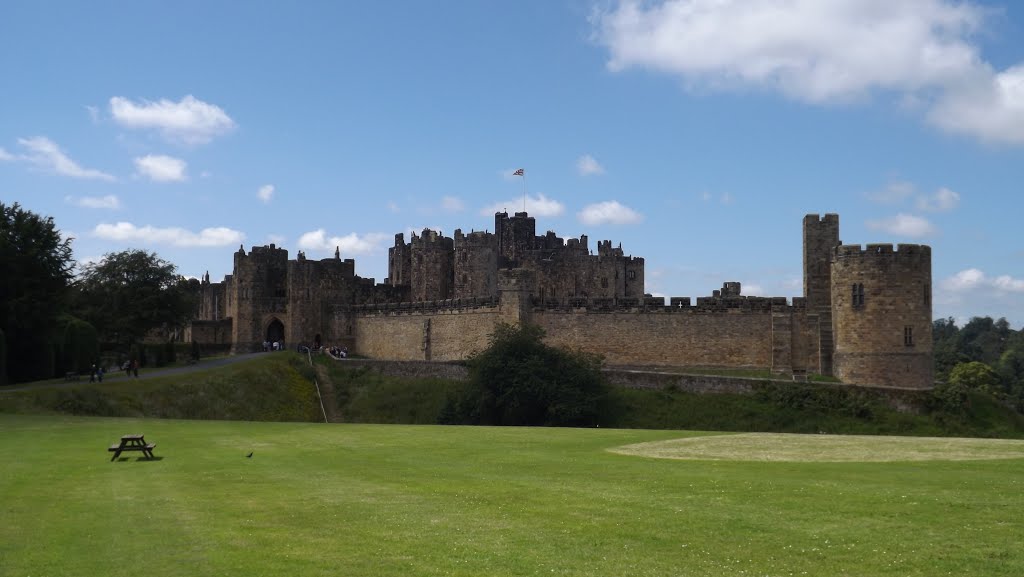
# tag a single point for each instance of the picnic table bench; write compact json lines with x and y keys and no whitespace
{"x":132,"y":443}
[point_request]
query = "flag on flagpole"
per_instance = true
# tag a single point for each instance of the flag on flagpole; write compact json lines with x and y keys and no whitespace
{"x":518,"y":172}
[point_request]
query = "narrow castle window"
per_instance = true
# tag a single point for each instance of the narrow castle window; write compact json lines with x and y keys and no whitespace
{"x":858,"y":295}
{"x":604,"y":282}
{"x":631,"y":275}
{"x":908,"y":336}
{"x":927,"y":296}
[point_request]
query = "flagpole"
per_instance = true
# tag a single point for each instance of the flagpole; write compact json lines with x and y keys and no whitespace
{"x":524,"y":191}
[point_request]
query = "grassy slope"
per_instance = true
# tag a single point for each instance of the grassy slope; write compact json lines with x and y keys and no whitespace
{"x":278,"y":388}
{"x":270,"y":388}
{"x":405,"y":500}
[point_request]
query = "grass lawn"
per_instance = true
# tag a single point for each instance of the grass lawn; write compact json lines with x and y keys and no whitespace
{"x":369,"y":500}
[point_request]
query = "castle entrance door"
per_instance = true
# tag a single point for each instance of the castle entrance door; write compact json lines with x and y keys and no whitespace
{"x":275,"y":332}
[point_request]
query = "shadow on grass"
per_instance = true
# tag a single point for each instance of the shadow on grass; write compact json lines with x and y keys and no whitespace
{"x":139,"y":459}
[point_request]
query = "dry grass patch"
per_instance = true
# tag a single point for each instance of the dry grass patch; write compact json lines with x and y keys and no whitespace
{"x":826,"y":448}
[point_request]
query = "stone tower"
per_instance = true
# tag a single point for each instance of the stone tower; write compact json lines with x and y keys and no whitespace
{"x":821,"y":236}
{"x":259,"y":294}
{"x":476,"y":264}
{"x":432,"y":265}
{"x":516,"y":237}
{"x":882,"y":314}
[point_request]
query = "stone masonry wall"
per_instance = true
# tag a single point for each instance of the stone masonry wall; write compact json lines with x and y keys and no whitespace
{"x":439,"y":335}
{"x":882,"y":314}
{"x":719,"y":339}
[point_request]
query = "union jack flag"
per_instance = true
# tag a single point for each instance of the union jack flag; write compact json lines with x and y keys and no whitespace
{"x":518,"y":172}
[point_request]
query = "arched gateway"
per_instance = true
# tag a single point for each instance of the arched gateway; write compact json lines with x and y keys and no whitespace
{"x":275,"y":331}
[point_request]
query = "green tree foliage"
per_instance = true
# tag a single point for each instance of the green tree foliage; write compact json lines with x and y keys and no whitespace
{"x":519,"y":380}
{"x":975,"y":375}
{"x":129,"y":293}
{"x":36,"y":268}
{"x":982,"y":340}
{"x":81,"y":345}
{"x":3,"y":359}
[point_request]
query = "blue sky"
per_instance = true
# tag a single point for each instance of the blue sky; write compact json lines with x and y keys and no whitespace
{"x":696,"y":133}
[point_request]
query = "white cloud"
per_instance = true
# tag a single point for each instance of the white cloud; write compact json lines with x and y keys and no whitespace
{"x":539,"y":205}
{"x":903,"y":225}
{"x":265,"y":193}
{"x":4,"y":155}
{"x":989,"y":106}
{"x":45,"y":154}
{"x":109,"y":201}
{"x":608,"y":212}
{"x":160,"y":168}
{"x":351,"y":243}
{"x":126,"y":231}
{"x":919,"y":51}
{"x":751,"y":290}
{"x":452,"y":204}
{"x":942,"y":200}
{"x":277,"y":239}
{"x":724,"y":198}
{"x":587,"y":166}
{"x":393,"y":206}
{"x":893,"y":193}
{"x":975,"y":279}
{"x":190,"y":120}
{"x":94,"y":114}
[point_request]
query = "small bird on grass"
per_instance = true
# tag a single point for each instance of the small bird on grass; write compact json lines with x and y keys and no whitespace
{"x":249,"y":456}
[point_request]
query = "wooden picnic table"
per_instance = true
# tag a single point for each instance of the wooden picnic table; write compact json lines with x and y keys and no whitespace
{"x":132,"y":443}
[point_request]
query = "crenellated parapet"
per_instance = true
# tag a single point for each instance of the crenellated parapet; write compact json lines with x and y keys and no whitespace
{"x":677,"y":305}
{"x":446,"y":305}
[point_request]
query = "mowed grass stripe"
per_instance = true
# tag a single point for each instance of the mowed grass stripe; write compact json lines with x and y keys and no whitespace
{"x":826,"y":448}
{"x":372,"y":500}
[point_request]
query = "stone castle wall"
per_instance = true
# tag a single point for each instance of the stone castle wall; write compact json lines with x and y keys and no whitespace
{"x":865,"y":315}
{"x":432,"y":332}
{"x":767,"y":334}
{"x":724,"y":339}
{"x":882,"y":314}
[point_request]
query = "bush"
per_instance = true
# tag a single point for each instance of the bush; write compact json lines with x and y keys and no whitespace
{"x":519,"y":380}
{"x":975,"y":376}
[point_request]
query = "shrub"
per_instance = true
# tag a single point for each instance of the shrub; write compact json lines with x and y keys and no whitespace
{"x":519,"y":380}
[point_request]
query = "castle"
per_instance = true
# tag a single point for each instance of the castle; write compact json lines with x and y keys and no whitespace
{"x":864,"y":317}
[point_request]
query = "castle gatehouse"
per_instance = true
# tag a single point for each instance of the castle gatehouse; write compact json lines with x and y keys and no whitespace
{"x":864,"y":317}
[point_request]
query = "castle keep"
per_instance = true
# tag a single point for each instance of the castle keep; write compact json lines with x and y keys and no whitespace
{"x":864,"y":317}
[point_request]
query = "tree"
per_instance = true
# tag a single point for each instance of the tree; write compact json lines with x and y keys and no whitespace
{"x":975,"y":375}
{"x":519,"y":380}
{"x":129,"y":293}
{"x":36,"y":268}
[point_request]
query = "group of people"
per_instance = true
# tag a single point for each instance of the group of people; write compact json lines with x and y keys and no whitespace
{"x":130,"y":367}
{"x":273,"y":346}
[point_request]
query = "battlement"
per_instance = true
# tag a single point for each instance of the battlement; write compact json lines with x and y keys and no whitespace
{"x":475,"y":239}
{"x":604,"y":248}
{"x":426,"y":306}
{"x":883,"y":251}
{"x":829,"y":218}
{"x":680,"y":305}
{"x":431,"y":237}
